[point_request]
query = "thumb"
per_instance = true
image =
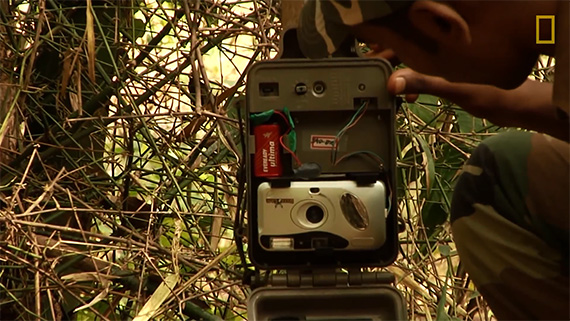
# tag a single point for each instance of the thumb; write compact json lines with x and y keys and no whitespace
{"x":411,"y":83}
{"x":479,"y":100}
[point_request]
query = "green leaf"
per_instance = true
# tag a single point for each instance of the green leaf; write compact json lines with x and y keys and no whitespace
{"x":441,"y":313}
{"x":428,"y":100}
{"x":425,"y":107}
{"x":425,"y":113}
{"x":139,"y":28}
{"x":445,"y":250}
{"x":433,"y":215}
{"x":467,"y":123}
{"x":165,"y":241}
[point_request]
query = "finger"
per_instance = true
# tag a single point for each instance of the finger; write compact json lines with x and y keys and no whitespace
{"x":411,"y":97}
{"x":407,"y":81}
{"x":410,"y":83}
{"x":375,"y":47}
{"x":387,"y":54}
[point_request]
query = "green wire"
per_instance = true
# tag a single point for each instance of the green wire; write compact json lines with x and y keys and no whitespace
{"x":343,"y":130}
{"x":358,"y":112}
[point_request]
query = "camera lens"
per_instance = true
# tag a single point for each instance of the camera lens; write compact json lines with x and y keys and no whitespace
{"x":315,"y":214}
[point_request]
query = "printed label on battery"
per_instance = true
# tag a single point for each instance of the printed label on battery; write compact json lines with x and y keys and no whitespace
{"x":267,"y":151}
{"x":324,"y":142}
{"x":268,"y":159}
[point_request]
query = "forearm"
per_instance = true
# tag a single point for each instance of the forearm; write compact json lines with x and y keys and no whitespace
{"x":530,"y":106}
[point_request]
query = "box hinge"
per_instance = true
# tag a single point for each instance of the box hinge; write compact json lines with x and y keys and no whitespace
{"x":330,"y":278}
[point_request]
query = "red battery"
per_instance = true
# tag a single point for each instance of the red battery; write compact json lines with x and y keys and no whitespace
{"x":267,"y":159}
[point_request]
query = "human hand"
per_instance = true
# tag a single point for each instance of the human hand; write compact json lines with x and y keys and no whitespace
{"x":483,"y":101}
{"x":529,"y":106}
{"x":479,"y":100}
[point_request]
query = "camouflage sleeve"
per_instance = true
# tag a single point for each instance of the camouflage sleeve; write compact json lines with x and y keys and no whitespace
{"x":510,"y":221}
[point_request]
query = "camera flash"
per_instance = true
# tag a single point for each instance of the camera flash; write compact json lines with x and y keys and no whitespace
{"x":282,"y":243}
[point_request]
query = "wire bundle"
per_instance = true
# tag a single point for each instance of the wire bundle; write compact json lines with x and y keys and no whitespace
{"x":290,"y":127}
{"x":334,"y":153}
{"x":351,"y":123}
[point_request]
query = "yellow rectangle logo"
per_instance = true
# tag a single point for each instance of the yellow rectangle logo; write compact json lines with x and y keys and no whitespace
{"x":545,"y":41}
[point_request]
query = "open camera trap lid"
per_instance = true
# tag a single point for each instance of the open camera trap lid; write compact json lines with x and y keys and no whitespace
{"x":313,"y":124}
{"x":327,"y":295}
{"x":365,"y":303}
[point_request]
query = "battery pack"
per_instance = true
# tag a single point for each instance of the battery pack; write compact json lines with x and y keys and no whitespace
{"x":267,"y":160}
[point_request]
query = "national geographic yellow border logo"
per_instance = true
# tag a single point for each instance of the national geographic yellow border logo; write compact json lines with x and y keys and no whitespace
{"x":544,"y":41}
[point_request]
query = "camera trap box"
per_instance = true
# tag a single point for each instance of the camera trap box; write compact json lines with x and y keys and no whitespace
{"x":321,"y":159}
{"x":320,"y":153}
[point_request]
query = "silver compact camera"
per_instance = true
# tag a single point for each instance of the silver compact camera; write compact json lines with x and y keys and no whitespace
{"x":311,"y":215}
